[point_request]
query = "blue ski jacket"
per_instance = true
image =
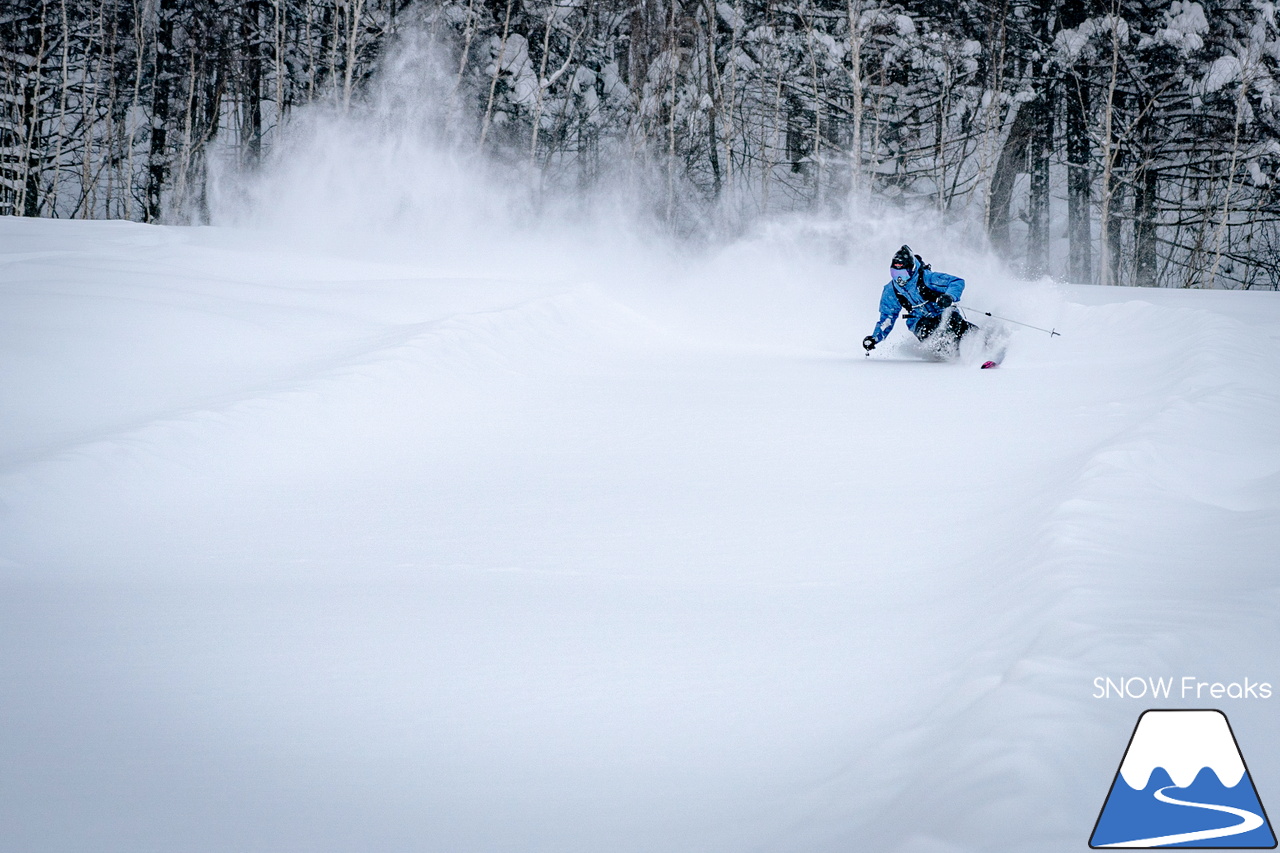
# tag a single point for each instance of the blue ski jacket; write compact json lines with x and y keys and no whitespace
{"x":916,"y":296}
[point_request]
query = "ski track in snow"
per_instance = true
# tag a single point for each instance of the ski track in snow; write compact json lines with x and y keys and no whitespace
{"x":311,"y":555}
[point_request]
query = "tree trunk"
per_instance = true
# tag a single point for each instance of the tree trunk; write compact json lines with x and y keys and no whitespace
{"x":646,"y":38}
{"x":1079,"y":180}
{"x":355,"y":9}
{"x":1012,"y":157}
{"x":1144,"y":225}
{"x":158,"y":158}
{"x":1111,"y":155}
{"x":30,"y":194}
{"x":1114,"y":220}
{"x":1037,"y":262}
{"x":713,"y":89}
{"x":854,"y":11}
{"x":23,"y":138}
{"x":251,"y":44}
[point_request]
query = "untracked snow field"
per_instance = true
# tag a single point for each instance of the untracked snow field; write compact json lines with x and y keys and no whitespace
{"x":304,"y":552}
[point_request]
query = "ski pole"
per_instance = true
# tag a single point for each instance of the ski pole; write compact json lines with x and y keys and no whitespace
{"x":1050,"y":332}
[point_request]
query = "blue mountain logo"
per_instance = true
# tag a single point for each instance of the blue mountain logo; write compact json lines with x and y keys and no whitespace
{"x":1183,"y":783}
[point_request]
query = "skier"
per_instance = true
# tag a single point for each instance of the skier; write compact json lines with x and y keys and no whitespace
{"x":927,"y":297}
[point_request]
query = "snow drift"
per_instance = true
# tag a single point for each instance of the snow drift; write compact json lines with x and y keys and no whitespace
{"x":301,"y":551}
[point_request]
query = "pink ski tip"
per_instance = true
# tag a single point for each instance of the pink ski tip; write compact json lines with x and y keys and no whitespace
{"x":989,"y":364}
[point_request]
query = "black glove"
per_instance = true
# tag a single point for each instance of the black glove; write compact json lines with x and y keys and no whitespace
{"x":868,"y":343}
{"x":944,"y":301}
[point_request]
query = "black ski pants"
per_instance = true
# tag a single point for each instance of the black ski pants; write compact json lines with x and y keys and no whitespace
{"x":956,"y":328}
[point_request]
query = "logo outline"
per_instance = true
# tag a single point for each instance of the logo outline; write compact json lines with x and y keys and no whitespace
{"x":1247,"y":774}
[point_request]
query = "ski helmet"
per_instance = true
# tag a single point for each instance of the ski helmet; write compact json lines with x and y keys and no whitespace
{"x":905,"y":259}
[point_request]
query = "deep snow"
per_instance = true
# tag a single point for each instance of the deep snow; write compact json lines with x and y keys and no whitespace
{"x":303,"y":552}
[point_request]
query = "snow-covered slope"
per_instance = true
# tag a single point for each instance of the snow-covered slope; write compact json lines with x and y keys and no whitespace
{"x":301,"y":553}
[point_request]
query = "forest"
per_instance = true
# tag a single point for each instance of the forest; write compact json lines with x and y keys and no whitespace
{"x":1115,"y":142}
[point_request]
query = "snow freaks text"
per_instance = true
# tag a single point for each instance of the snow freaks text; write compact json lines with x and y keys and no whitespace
{"x":1186,"y":687}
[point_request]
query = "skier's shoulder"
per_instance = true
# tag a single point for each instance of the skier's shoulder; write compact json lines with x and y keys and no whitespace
{"x":932,"y":276}
{"x":944,"y":282}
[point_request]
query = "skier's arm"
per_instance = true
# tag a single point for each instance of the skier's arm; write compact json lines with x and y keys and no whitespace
{"x":937,"y":284}
{"x":889,"y":308}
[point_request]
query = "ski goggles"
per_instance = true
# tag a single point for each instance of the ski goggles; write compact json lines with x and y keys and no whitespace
{"x":897,"y":274}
